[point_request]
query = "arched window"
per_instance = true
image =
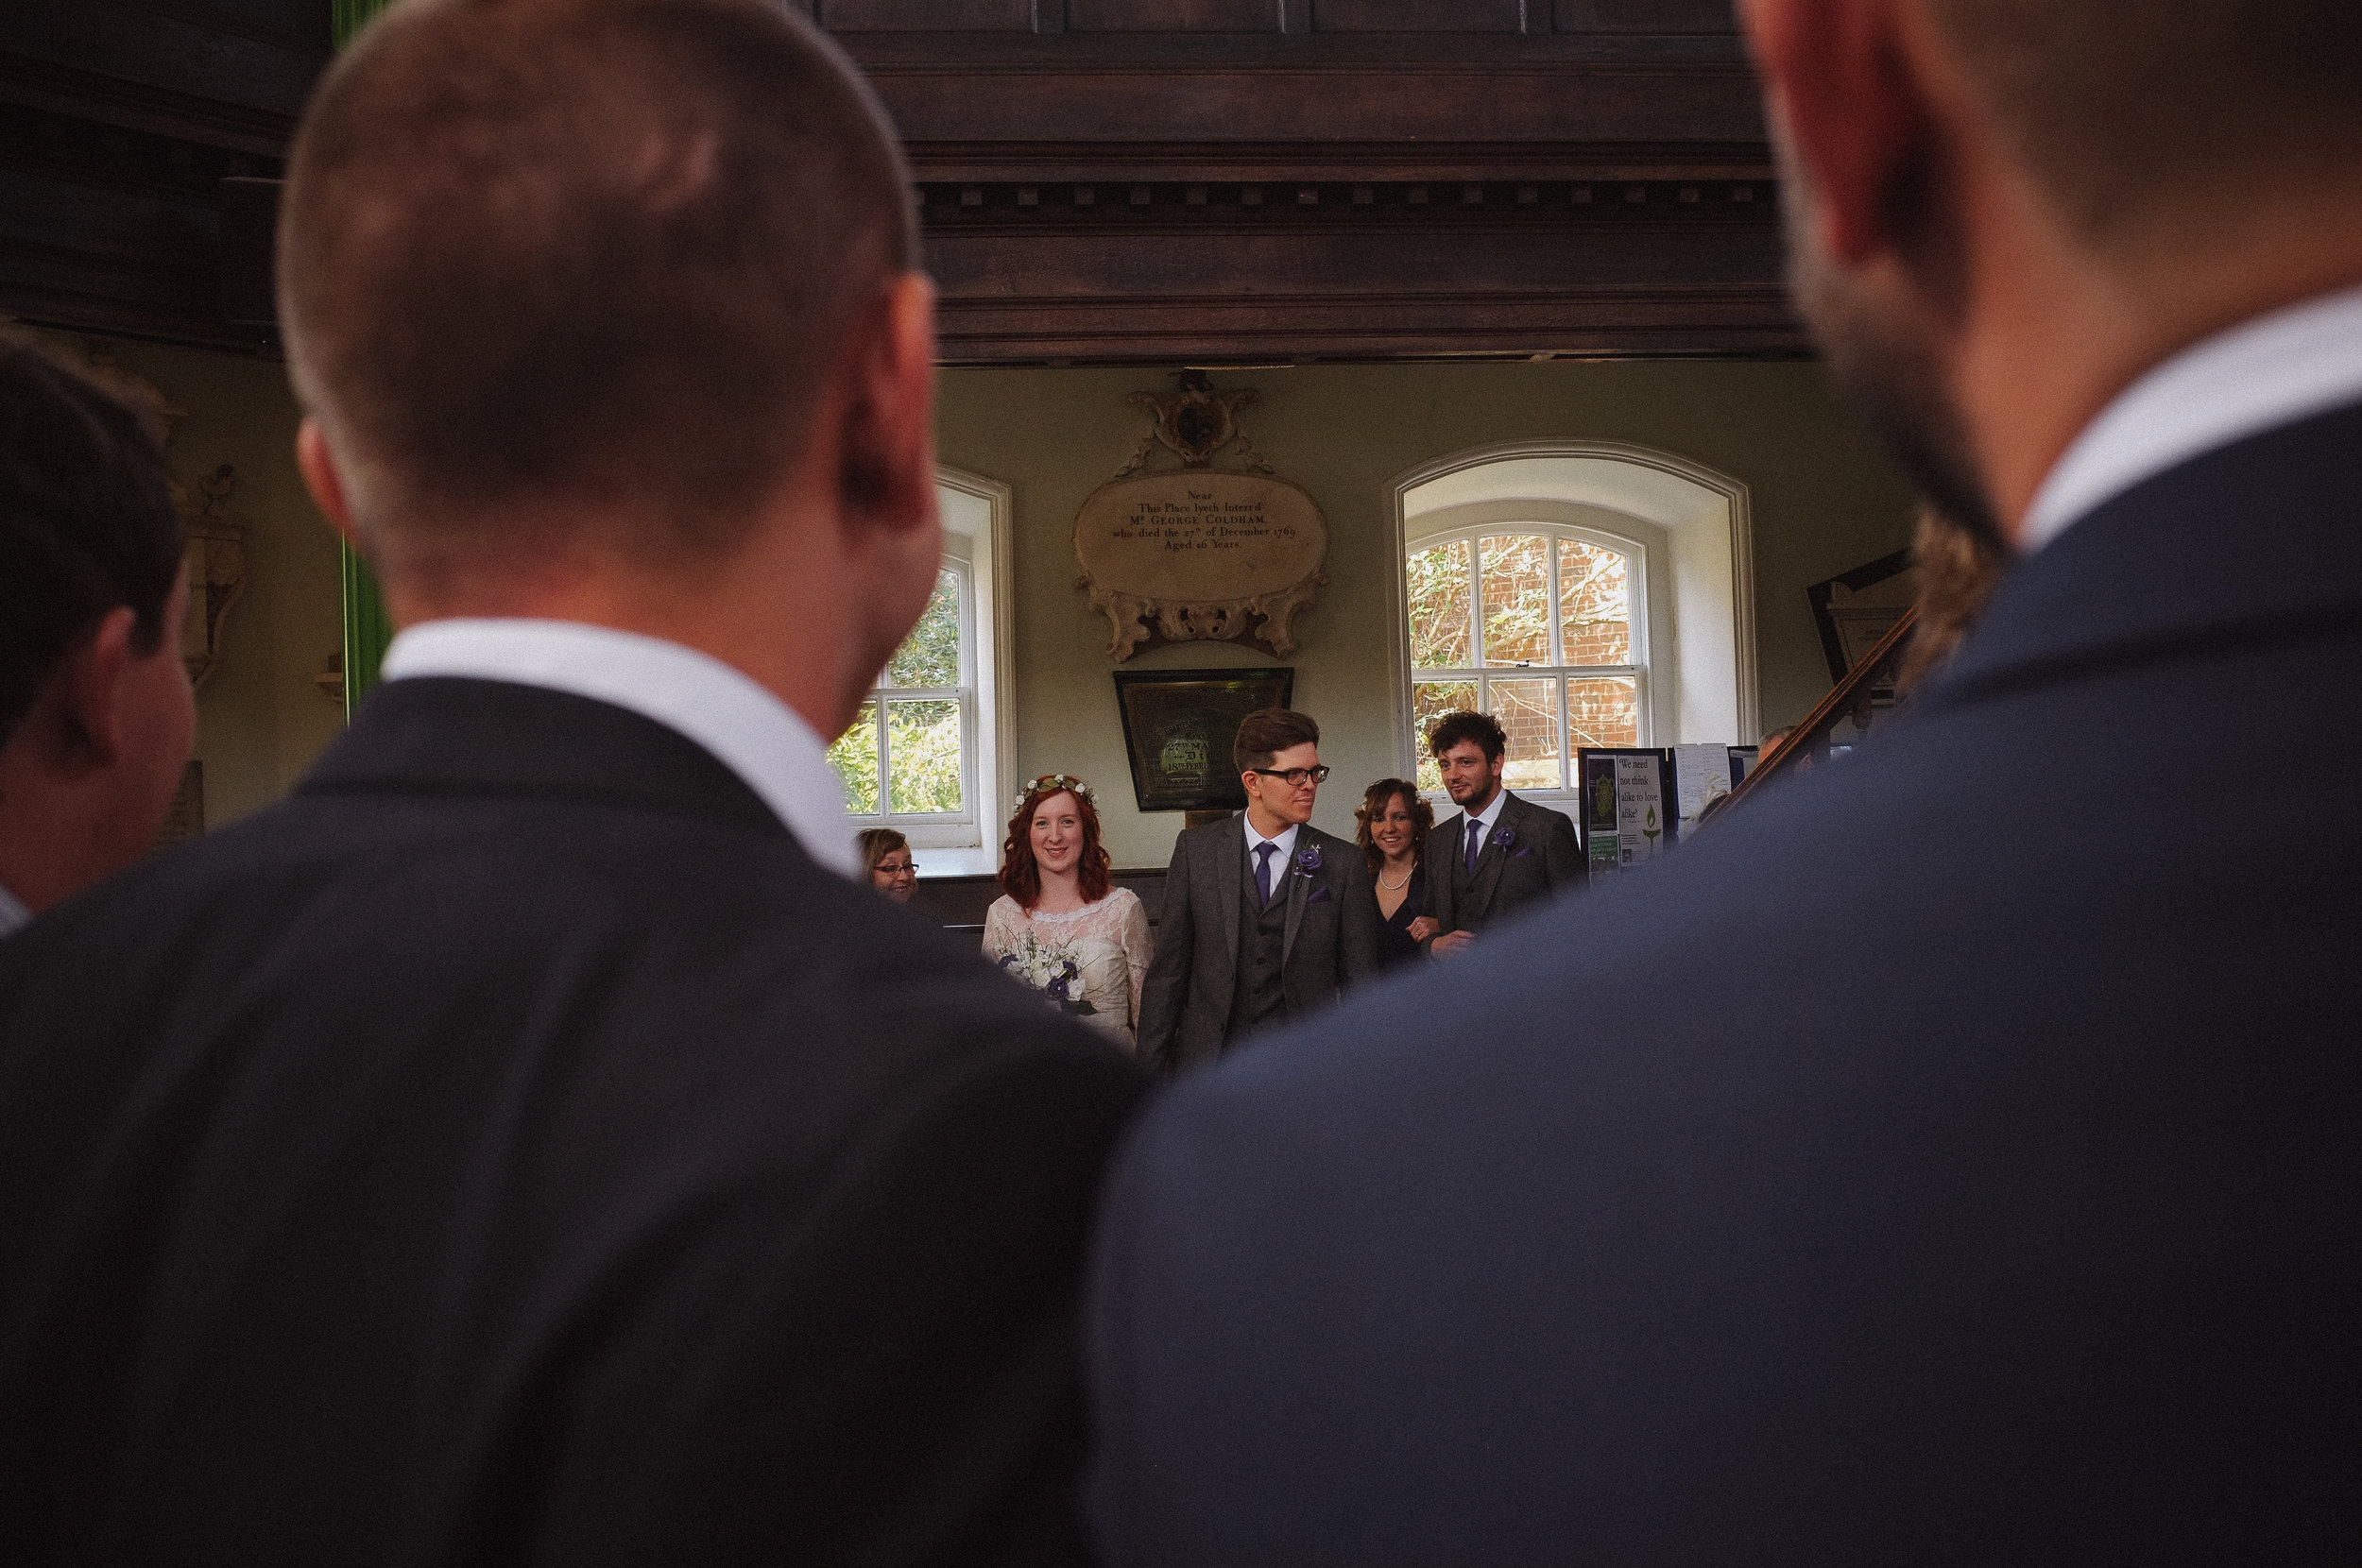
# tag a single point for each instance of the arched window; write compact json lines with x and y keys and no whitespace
{"x":1586,"y":593}
{"x":1538,"y":624}
{"x":925,"y":754}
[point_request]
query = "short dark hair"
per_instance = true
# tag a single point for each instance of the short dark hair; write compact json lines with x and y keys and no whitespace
{"x":87,"y":521}
{"x":552,"y":251}
{"x":2116,"y":117}
{"x":1268,"y":731}
{"x":1462,"y":725}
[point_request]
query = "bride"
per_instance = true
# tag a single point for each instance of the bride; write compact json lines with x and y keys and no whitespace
{"x":1058,"y":925}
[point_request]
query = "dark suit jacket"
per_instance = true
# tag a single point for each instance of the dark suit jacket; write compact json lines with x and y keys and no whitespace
{"x":513,"y":1149}
{"x":1540,"y":859}
{"x":1951,"y":1156}
{"x":1331,"y":939}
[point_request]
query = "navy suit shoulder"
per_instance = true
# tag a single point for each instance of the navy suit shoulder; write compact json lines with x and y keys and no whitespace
{"x":513,"y":1146}
{"x":1952,"y":1155}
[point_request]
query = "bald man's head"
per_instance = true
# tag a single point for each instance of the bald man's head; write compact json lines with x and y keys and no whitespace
{"x":550,"y":257}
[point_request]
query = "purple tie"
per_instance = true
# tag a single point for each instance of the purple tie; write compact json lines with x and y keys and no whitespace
{"x":1476,"y":842}
{"x":1263,"y":869}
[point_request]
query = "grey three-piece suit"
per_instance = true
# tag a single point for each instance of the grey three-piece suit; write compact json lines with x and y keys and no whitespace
{"x":1226,"y":963}
{"x":1531,"y":855}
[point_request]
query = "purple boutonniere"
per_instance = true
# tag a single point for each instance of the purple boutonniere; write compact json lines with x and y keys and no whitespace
{"x":1503,"y":836}
{"x":1308,"y":860}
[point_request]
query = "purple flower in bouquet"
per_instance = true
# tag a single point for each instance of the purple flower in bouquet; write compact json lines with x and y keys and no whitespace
{"x":1308,"y":860}
{"x":1503,"y":836}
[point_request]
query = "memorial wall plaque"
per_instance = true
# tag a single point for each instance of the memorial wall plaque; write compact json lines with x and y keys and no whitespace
{"x":1222,"y":553}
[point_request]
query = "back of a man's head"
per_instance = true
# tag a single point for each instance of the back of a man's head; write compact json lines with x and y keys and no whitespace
{"x":2162,"y":116}
{"x":87,"y":523}
{"x":580,"y":258}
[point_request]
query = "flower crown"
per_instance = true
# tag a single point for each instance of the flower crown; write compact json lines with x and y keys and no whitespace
{"x":1054,"y":783}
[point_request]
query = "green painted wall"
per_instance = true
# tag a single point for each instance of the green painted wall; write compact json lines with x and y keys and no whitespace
{"x":1824,"y":500}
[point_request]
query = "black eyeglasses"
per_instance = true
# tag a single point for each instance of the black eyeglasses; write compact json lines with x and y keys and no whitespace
{"x":1296,"y":777}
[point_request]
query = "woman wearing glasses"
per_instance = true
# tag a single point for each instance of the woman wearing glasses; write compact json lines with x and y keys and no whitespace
{"x":885,"y":858}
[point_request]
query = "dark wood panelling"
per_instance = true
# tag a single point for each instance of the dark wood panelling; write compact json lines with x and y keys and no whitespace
{"x":1174,"y":16}
{"x":198,"y":73}
{"x":1644,"y":16}
{"x":1358,"y":272}
{"x":928,"y":16}
{"x":250,"y":222}
{"x":1250,"y":188}
{"x":1050,"y":164}
{"x":961,"y":902}
{"x":1426,"y":16}
{"x":115,"y":229}
{"x":1446,"y":101}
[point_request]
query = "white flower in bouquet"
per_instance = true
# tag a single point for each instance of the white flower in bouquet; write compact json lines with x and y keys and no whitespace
{"x":1049,"y":970}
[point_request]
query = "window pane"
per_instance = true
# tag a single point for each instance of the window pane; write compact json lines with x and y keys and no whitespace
{"x":923,"y":751}
{"x":1528,"y":709}
{"x":1604,"y":711}
{"x":1594,"y":604}
{"x":1516,"y":585}
{"x":930,"y":655}
{"x":1438,"y":581}
{"x":1429,"y":700}
{"x":855,"y":759}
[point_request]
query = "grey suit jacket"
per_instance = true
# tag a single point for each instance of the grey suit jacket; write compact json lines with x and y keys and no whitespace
{"x":1531,"y":855}
{"x":1331,"y":938}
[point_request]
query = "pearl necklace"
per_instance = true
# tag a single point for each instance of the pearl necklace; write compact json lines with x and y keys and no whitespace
{"x":1396,"y":887}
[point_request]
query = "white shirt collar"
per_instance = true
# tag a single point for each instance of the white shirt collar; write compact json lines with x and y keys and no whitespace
{"x":1492,"y":812}
{"x":1285,"y":839}
{"x":13,"y":914}
{"x":756,"y":736}
{"x":2258,"y":376}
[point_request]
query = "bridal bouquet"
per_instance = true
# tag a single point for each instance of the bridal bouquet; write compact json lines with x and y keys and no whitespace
{"x":1049,"y":970}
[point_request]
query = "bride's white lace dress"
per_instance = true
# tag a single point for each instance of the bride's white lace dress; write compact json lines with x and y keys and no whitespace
{"x":1109,"y":943}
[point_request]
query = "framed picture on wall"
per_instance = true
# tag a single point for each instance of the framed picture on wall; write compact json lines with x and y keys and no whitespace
{"x":1178,"y":727}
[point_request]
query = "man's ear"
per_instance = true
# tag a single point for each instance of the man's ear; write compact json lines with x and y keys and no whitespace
{"x":1843,"y":96}
{"x":323,"y":478}
{"x":95,"y":689}
{"x":888,"y":476}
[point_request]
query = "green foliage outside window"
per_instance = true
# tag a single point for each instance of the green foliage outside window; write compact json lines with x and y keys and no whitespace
{"x":855,"y":759}
{"x":931,"y":655}
{"x":1438,"y":584}
{"x":920,"y":766}
{"x":923,"y":742}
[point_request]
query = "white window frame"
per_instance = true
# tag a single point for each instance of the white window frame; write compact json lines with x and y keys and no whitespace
{"x":1698,"y":557}
{"x":977,"y":514}
{"x":1482,"y":673}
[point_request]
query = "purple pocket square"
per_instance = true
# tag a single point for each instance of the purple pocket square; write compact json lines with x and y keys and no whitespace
{"x":1317,"y":894}
{"x":1521,"y":854}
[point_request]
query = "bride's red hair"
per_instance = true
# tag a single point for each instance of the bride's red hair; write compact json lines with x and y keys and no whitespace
{"x":1020,"y":878}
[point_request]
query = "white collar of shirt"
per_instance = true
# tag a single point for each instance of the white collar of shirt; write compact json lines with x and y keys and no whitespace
{"x":13,"y":915}
{"x":756,"y":736}
{"x":1491,"y":814}
{"x":2258,"y":376}
{"x":1285,"y":839}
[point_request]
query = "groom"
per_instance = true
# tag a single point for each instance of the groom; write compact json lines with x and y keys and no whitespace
{"x":1500,"y":851}
{"x":1266,"y":917}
